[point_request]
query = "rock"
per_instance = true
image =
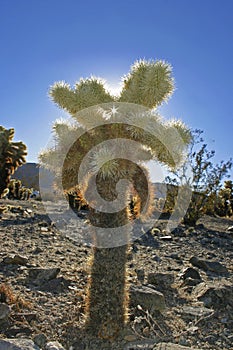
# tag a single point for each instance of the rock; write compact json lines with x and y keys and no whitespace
{"x":39,"y":276}
{"x":160,"y":280}
{"x":15,"y":260}
{"x":230,"y":229}
{"x":147,"y":298}
{"x":166,"y":238}
{"x":130,"y":337}
{"x":54,"y":345}
{"x":198,"y":263}
{"x":213,"y":266}
{"x":215,"y":297}
{"x":196,"y":311}
{"x":56,"y":285}
{"x":155,"y":230}
{"x":190,"y":273}
{"x":216,"y":267}
{"x":18,"y":344}
{"x":40,"y":340}
{"x":140,"y":274}
{"x":172,"y":346}
{"x":175,"y":256}
{"x":15,"y":331}
{"x":4,"y":311}
{"x":191,"y":282}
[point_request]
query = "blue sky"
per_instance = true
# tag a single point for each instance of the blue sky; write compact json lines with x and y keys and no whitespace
{"x":43,"y":41}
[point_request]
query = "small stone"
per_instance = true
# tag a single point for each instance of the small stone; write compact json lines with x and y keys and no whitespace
{"x":190,"y":273}
{"x":140,"y":274}
{"x":54,"y":345}
{"x":40,"y":275}
{"x":190,"y":282}
{"x":215,"y":297}
{"x":130,"y":337}
{"x":4,"y":311}
{"x":40,"y":340}
{"x":196,"y":311}
{"x":213,"y":266}
{"x":160,"y":280}
{"x":15,"y":260}
{"x":175,"y":256}
{"x":155,"y":231}
{"x":171,"y":346}
{"x":16,"y":331}
{"x":230,"y":229}
{"x":44,"y":229}
{"x":148,"y":298}
{"x":166,"y":238}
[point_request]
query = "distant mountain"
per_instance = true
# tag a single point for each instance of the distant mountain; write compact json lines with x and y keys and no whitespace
{"x":28,"y":174}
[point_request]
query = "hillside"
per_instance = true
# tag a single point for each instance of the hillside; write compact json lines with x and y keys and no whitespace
{"x":29,"y":175}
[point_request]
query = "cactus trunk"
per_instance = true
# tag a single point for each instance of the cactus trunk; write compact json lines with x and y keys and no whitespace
{"x":108,"y":295}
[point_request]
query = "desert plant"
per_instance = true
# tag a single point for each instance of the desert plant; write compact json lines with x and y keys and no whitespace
{"x":204,"y":177}
{"x":18,"y":191}
{"x":149,"y":83}
{"x":224,"y":200}
{"x":12,"y":155}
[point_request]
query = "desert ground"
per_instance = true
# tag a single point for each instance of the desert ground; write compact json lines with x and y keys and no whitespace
{"x":181,"y":284}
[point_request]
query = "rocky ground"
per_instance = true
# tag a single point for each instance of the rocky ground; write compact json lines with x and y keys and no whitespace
{"x":181,"y":285}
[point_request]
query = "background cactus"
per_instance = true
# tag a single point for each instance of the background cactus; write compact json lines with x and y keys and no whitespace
{"x":12,"y":155}
{"x":149,"y":83}
{"x":18,"y":191}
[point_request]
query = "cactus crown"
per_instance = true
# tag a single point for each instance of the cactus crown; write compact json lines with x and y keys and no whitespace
{"x":148,"y":84}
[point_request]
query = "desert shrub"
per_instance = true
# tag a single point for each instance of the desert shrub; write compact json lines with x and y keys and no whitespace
{"x":204,"y":178}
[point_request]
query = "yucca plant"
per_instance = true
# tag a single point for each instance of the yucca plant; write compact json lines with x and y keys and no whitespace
{"x":131,"y":117}
{"x":12,"y":155}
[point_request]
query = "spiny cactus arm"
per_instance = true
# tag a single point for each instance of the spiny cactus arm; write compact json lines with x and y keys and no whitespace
{"x":64,"y":97}
{"x":19,"y":153}
{"x":87,"y":92}
{"x":183,"y":131}
{"x":91,"y":92}
{"x":65,"y":134}
{"x":165,"y":140}
{"x":170,"y":146}
{"x":149,"y":83}
{"x":50,"y":159}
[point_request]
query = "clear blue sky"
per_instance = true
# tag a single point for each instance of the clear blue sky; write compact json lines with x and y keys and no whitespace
{"x":43,"y":41}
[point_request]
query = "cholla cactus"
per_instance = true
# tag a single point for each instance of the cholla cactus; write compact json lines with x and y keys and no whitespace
{"x":12,"y":155}
{"x":148,"y":84}
{"x":18,"y":191}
